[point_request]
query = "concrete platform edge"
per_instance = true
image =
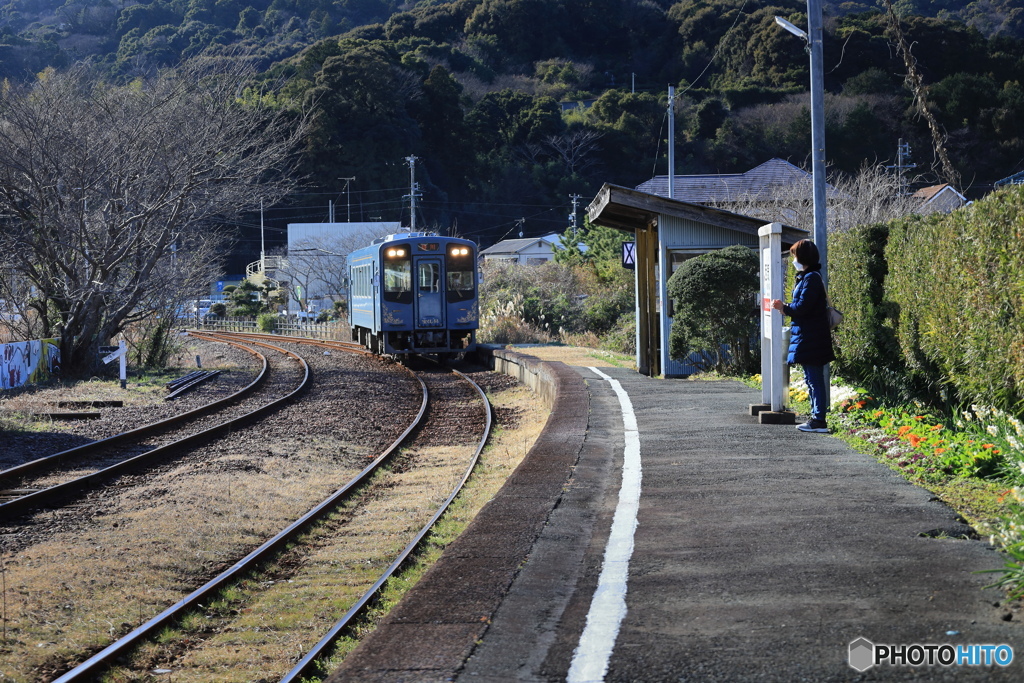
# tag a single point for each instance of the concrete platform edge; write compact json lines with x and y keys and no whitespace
{"x":443,"y":642}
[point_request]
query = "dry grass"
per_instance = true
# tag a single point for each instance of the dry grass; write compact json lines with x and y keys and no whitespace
{"x":507,"y":449}
{"x":124,"y":567}
{"x":579,"y":356}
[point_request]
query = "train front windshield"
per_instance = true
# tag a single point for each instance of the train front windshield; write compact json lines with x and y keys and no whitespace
{"x":459,"y":264}
{"x":397,"y":275}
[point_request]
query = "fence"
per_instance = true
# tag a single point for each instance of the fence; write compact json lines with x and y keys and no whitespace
{"x":337,"y":330}
{"x":25,"y":362}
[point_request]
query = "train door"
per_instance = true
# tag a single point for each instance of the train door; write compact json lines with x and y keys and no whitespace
{"x":429,"y":293}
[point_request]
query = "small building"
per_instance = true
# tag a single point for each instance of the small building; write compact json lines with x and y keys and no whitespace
{"x":668,"y":232}
{"x":530,"y":251}
{"x":939,"y":198}
{"x":315,"y":265}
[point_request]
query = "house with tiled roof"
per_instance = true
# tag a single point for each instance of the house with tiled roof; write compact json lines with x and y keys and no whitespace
{"x":942,"y":198}
{"x":773,"y":177}
{"x":527,"y":251}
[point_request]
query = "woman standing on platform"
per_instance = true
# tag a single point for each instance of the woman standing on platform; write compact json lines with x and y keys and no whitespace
{"x":810,"y":342}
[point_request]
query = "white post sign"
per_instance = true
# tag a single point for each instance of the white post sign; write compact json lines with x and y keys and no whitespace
{"x":772,"y":351}
{"x":122,"y":355}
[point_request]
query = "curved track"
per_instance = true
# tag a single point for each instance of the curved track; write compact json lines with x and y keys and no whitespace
{"x":272,"y":547}
{"x":53,"y":494}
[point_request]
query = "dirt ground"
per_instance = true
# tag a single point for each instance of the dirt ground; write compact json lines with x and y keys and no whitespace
{"x":576,"y":355}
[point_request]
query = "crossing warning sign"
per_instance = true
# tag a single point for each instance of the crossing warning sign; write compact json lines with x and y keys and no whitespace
{"x":629,"y":255}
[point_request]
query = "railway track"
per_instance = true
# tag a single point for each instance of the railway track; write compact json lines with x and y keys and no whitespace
{"x":432,"y":429}
{"x":50,"y":480}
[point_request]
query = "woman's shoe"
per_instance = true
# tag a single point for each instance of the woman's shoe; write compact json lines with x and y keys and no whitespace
{"x":817,"y":426}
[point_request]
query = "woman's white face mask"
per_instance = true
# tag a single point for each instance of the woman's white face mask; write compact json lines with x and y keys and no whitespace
{"x":799,"y":266}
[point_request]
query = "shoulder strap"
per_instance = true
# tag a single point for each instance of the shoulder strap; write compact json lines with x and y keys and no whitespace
{"x":828,"y":300}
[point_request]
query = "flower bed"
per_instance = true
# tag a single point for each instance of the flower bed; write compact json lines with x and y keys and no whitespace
{"x":979,"y":449}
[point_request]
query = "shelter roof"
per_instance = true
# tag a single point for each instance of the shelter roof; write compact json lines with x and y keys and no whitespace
{"x":627,"y":209}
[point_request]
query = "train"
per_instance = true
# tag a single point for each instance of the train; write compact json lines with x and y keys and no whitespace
{"x":414,"y":293}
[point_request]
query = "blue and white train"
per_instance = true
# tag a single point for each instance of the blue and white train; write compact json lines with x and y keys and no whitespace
{"x":414,"y":292}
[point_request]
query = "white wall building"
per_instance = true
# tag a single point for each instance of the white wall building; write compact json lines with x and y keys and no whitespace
{"x":315,"y":264}
{"x":528,"y":251}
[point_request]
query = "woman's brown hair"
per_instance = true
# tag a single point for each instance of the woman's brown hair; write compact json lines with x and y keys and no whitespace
{"x":805,"y":252}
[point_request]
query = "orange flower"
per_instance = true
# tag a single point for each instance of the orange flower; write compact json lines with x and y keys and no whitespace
{"x":879,"y":413}
{"x":988,"y":446}
{"x":940,"y":451}
{"x":861,"y":404}
{"x":937,"y":428}
{"x":919,"y":417}
{"x":903,"y":430}
{"x":915,"y":440}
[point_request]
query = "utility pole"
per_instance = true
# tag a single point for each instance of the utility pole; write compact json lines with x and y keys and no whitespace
{"x":348,"y":203}
{"x":263,"y":245}
{"x":902,"y":165}
{"x":572,"y":217}
{"x":815,"y":31}
{"x":671,"y":141}
{"x":413,"y":187}
{"x":520,"y":223}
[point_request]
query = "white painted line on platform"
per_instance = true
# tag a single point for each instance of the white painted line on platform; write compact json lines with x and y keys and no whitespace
{"x":608,"y":607}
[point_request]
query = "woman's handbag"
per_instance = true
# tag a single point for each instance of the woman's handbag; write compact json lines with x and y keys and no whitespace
{"x":835,"y":317}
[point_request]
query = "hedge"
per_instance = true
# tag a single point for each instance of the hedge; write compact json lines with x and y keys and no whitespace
{"x":935,"y":305}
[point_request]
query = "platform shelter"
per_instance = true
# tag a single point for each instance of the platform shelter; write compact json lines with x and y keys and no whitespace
{"x":668,"y":232}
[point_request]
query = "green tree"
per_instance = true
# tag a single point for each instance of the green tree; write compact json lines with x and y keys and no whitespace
{"x":714,"y":313}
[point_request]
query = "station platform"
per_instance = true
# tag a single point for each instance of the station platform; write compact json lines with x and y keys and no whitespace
{"x":735,"y":552}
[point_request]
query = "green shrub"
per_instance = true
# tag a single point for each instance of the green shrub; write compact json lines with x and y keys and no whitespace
{"x":714,"y":298}
{"x":266,"y":322}
{"x":867,"y":350}
{"x":935,"y":305}
{"x":956,"y":282}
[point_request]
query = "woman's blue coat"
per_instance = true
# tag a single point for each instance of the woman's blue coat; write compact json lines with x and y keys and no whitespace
{"x":810,"y":341}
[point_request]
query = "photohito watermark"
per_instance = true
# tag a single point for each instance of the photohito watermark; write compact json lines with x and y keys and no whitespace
{"x":864,"y":654}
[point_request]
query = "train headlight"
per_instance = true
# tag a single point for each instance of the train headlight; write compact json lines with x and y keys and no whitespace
{"x":460,"y":251}
{"x":400,"y":253}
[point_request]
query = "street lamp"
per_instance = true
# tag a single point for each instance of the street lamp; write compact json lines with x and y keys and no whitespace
{"x":812,"y":37}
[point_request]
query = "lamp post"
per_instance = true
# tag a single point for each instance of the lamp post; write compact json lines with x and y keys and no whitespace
{"x":813,"y":39}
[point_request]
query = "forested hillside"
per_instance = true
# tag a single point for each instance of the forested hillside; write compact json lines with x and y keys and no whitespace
{"x":511,"y":106}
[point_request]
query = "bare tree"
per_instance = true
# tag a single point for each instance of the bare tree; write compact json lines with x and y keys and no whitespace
{"x":575,"y":148}
{"x":108,"y":193}
{"x":873,"y":195}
